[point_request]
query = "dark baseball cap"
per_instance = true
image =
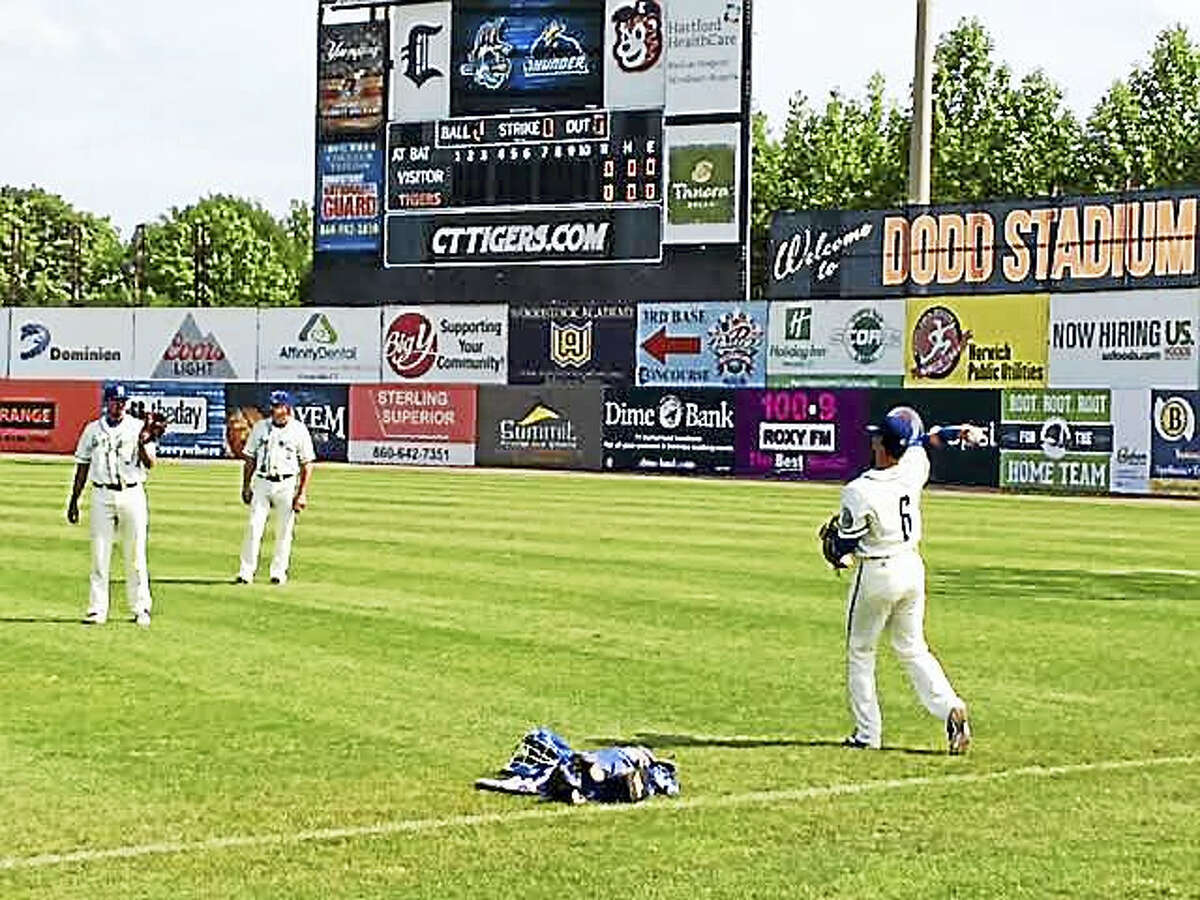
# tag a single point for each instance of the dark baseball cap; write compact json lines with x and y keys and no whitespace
{"x":115,"y":391}
{"x":281,"y":398}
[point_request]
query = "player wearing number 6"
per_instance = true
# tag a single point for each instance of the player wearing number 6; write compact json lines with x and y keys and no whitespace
{"x":880,"y":525}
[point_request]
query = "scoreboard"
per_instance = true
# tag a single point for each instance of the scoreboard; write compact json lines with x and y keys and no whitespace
{"x":523,"y":137}
{"x":526,"y":160}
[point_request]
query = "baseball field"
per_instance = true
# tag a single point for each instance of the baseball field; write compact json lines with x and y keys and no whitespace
{"x":320,"y":739}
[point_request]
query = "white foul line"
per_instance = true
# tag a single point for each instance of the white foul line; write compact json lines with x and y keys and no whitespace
{"x":410,"y":826}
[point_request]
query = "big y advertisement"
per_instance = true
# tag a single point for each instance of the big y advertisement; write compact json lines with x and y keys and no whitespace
{"x":831,"y":343}
{"x":1059,"y":441}
{"x":982,"y":342}
{"x":1132,"y":339}
{"x":446,"y":344}
{"x":318,"y":344}
{"x":71,"y":343}
{"x":413,"y":425}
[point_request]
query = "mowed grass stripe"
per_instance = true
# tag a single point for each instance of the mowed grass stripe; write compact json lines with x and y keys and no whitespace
{"x":433,"y":616}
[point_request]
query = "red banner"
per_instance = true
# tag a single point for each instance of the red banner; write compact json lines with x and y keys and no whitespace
{"x":404,"y":424}
{"x":45,"y":416}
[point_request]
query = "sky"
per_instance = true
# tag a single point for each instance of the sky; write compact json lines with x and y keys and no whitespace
{"x":129,"y":107}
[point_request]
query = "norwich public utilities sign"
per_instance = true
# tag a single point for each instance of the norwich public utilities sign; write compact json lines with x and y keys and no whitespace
{"x":1052,"y":244}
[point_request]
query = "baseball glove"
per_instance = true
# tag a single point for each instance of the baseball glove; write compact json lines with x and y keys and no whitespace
{"x":829,"y":544}
{"x":154,"y":426}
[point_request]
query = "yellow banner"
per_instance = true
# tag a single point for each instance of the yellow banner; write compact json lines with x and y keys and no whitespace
{"x":997,"y":341}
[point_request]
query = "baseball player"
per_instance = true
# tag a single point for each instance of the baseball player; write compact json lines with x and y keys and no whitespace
{"x":880,"y":525}
{"x":278,"y":465}
{"x":116,"y":452}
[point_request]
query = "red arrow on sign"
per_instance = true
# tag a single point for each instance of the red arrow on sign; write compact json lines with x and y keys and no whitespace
{"x":660,"y":346}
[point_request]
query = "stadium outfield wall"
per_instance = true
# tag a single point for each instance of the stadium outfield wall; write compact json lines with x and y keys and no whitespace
{"x":1092,"y":393}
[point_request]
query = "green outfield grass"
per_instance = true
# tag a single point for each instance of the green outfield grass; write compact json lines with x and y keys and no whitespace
{"x":320,"y":740}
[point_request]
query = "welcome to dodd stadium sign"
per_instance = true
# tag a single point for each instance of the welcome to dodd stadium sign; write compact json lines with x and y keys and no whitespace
{"x":1142,"y":240}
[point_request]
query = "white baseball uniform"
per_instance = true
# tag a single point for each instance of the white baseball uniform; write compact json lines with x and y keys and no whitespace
{"x":882,"y":510}
{"x":278,"y":452}
{"x":119,"y":510}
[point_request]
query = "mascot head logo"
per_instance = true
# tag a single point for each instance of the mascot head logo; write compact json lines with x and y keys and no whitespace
{"x":639,"y":36}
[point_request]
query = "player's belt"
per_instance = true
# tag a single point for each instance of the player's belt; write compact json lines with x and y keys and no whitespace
{"x":113,"y":487}
{"x":276,"y":477}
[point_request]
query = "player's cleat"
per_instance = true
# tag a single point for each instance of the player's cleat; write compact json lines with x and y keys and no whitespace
{"x":240,"y":580}
{"x":958,"y":731}
{"x":276,"y":581}
{"x":94,"y":618}
{"x":142,"y":619}
{"x":854,"y":742}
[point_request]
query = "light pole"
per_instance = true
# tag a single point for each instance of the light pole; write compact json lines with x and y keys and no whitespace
{"x":920,"y":148}
{"x":201,"y":247}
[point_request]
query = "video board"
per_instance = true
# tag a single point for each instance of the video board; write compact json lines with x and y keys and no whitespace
{"x":580,"y":150}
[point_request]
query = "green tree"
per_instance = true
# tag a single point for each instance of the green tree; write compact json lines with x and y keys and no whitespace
{"x":54,"y":255}
{"x":245,"y":257}
{"x":1145,"y":132}
{"x":991,"y":138}
{"x":848,"y":155}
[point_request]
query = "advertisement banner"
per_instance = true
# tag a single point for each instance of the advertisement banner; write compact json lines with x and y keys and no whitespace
{"x":703,"y":183}
{"x":571,"y":342}
{"x":546,"y":427}
{"x":331,"y":343}
{"x":635,"y":74}
{"x":71,"y":343}
{"x":813,"y":435}
{"x":507,"y":57}
{"x":351,"y":194}
{"x":1145,"y":239}
{"x":990,"y":342}
{"x":413,"y":425}
{"x":420,"y":62}
{"x":195,"y":414}
{"x":196,"y":344}
{"x":830,"y":343}
{"x":684,"y":431}
{"x":446,"y":344}
{"x":1174,"y":442}
{"x":1132,"y":339}
{"x":704,"y":57}
{"x":975,"y":466}
{"x":1056,"y":441}
{"x":323,"y":408}
{"x":1131,"y":442}
{"x":45,"y":416}
{"x":350,"y":68}
{"x":710,"y":344}
{"x":5,"y":322}
{"x":524,"y":237}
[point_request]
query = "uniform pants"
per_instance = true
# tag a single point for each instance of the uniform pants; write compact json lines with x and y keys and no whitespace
{"x":269,"y":496}
{"x":890,"y":594}
{"x":123,"y":516}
